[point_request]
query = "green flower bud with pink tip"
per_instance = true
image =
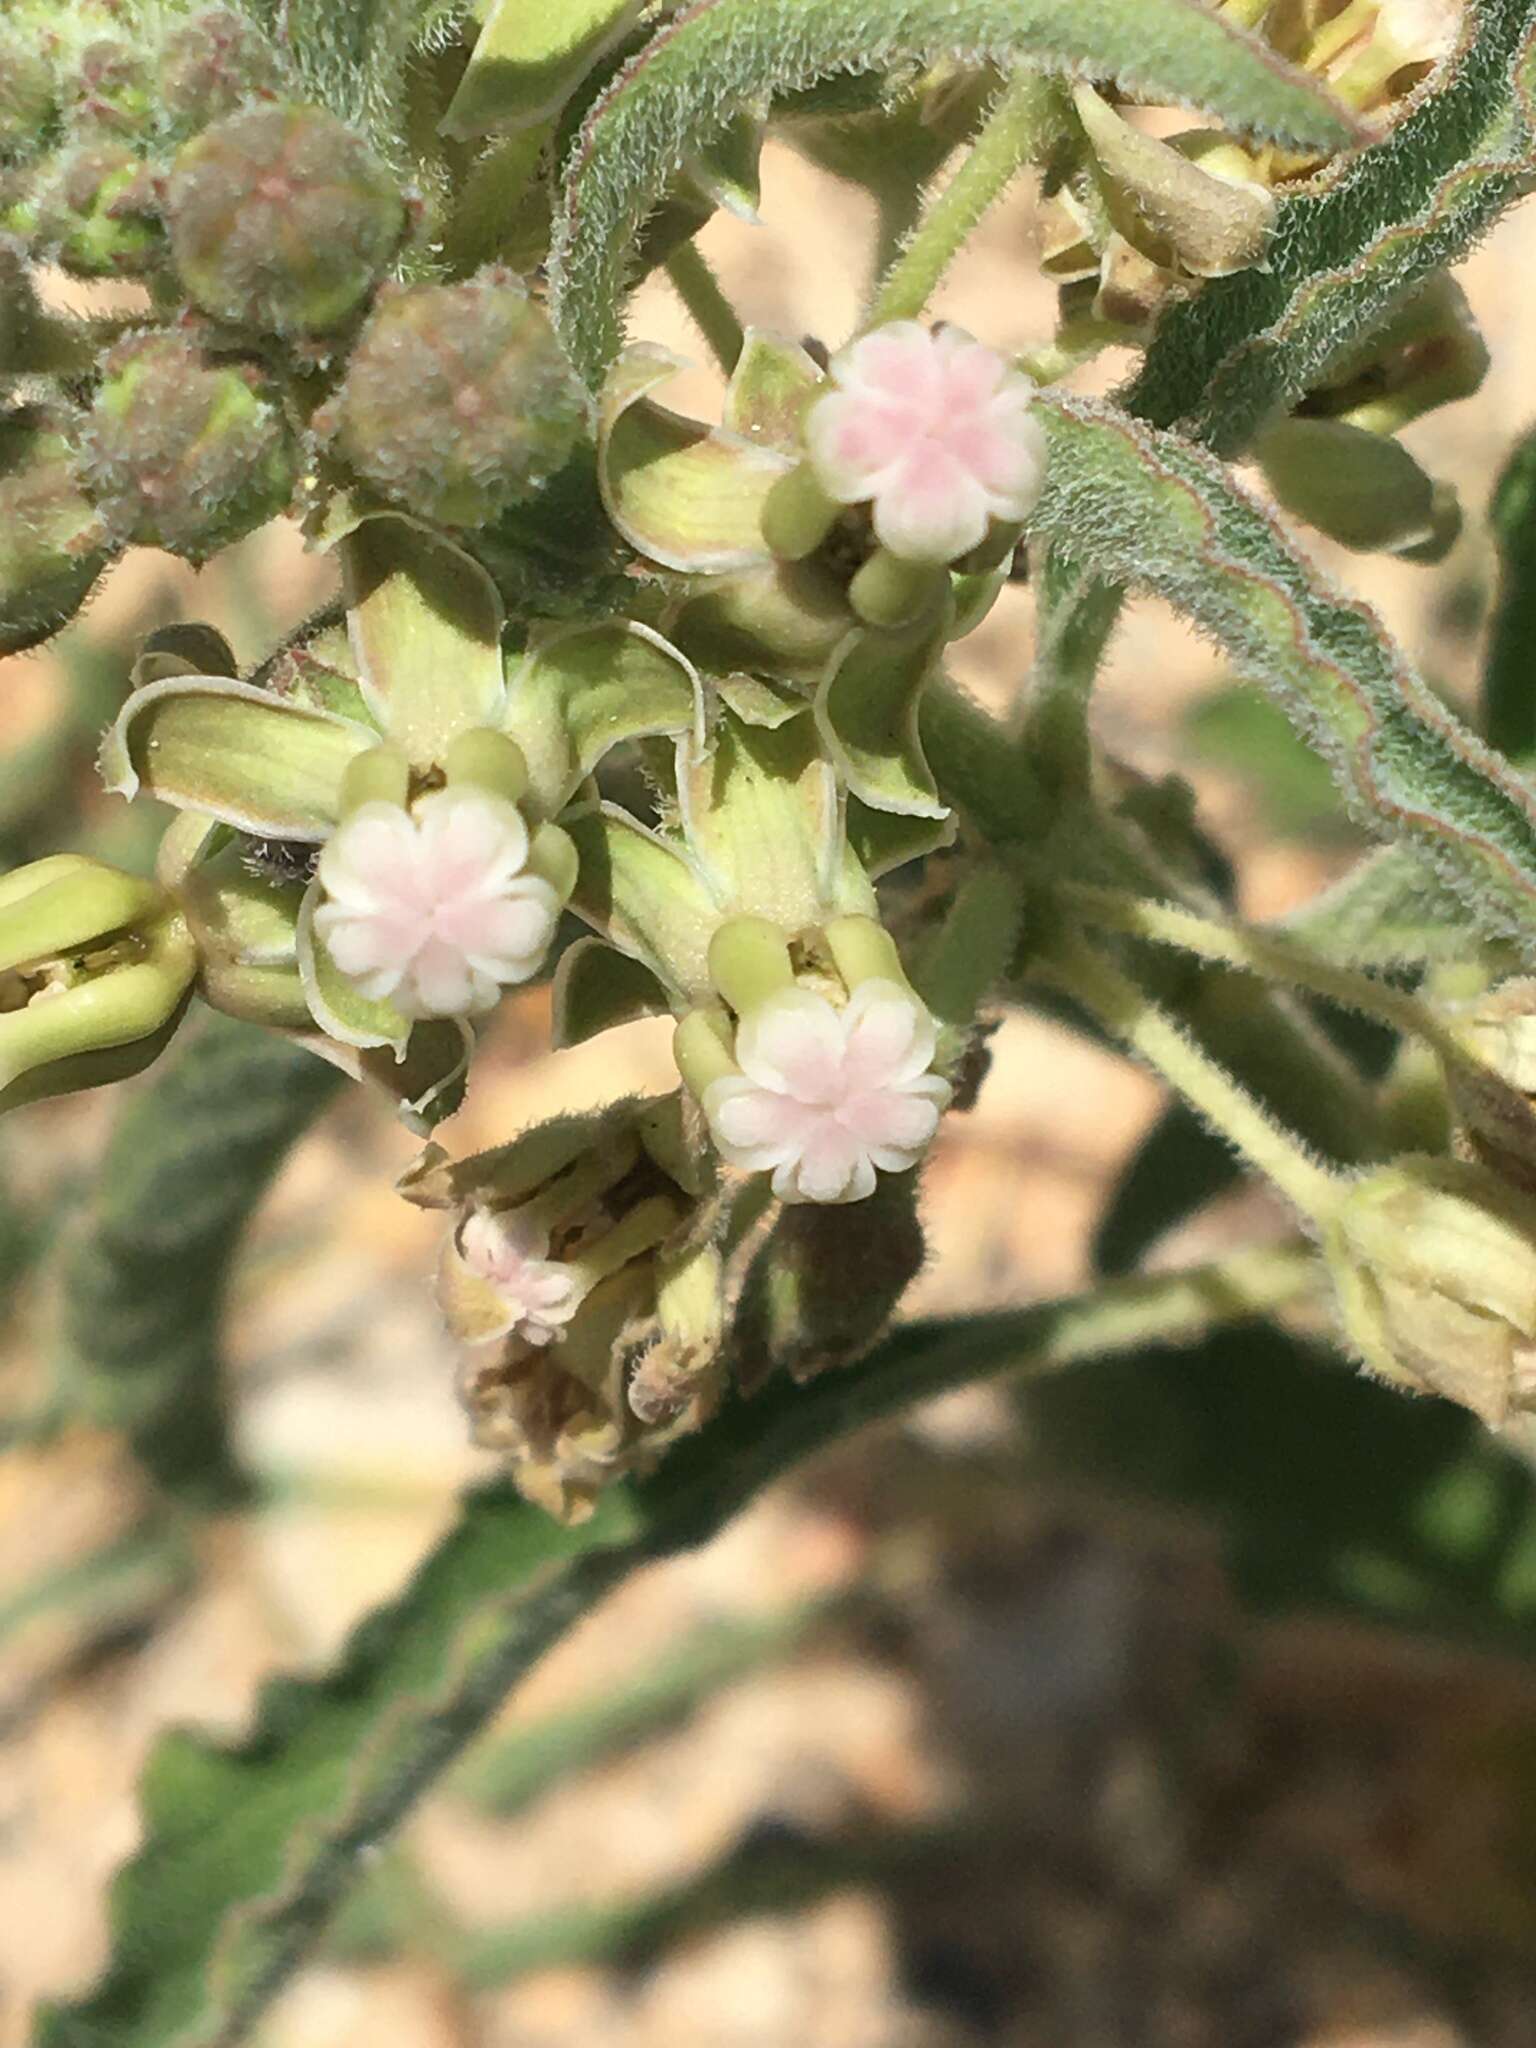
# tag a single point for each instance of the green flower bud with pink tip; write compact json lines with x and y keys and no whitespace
{"x":212,"y":65}
{"x":283,"y":220}
{"x":458,"y":400}
{"x":184,"y":453}
{"x":99,"y":213}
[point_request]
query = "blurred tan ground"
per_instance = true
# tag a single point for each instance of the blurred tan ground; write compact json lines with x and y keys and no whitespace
{"x":345,"y":1404}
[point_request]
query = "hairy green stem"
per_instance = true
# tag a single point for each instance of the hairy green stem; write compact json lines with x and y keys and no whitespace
{"x":1259,"y":952}
{"x":1130,"y":1015}
{"x":707,"y":306}
{"x":1021,"y":117}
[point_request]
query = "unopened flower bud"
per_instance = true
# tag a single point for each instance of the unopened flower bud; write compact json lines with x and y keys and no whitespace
{"x":27,"y":97}
{"x":798,"y":1312}
{"x":1364,"y":490}
{"x":1434,"y":1261}
{"x":100,"y":213}
{"x":111,"y":88}
{"x":282,"y":219}
{"x":822,"y":1085}
{"x":182,"y":452}
{"x":94,"y":969}
{"x":52,"y":545}
{"x":458,"y":400}
{"x":212,"y":65}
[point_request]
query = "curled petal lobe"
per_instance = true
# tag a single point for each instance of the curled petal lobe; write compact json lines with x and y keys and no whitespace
{"x":934,"y":432}
{"x":539,"y":1294}
{"x":433,"y":908}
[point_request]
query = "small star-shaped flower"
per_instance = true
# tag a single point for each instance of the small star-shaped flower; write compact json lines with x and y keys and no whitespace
{"x":935,"y":432}
{"x":827,"y":1096}
{"x":538,"y":1294}
{"x":433,"y":909}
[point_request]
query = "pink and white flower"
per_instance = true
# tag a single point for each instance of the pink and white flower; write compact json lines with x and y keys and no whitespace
{"x":826,"y":1096}
{"x":510,"y":1254}
{"x":433,"y":908}
{"x":935,"y":432}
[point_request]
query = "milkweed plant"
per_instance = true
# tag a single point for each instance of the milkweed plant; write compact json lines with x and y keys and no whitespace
{"x":656,"y":707}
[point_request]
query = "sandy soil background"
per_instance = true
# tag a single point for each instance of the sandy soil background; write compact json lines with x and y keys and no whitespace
{"x":1276,"y":1873}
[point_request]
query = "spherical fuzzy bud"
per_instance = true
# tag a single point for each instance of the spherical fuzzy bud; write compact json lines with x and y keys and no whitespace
{"x":99,"y":213}
{"x":113,"y":88}
{"x":184,"y":453}
{"x":282,"y":219}
{"x":212,"y":65}
{"x":458,"y":400}
{"x":51,"y":542}
{"x":27,"y":99}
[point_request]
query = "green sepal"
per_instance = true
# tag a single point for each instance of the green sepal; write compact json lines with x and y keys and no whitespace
{"x":1363,"y":490}
{"x":867,"y":711}
{"x":425,"y":624}
{"x":529,"y":58}
{"x":882,"y":840}
{"x":424,"y":1085}
{"x":644,"y":895}
{"x":335,"y":1002}
{"x":595,"y":988}
{"x":273,"y":996}
{"x":762,"y":813}
{"x":681,"y":494}
{"x":184,"y":648}
{"x":207,"y":743}
{"x":785,"y":618}
{"x":773,"y":382}
{"x":581,"y":690}
{"x":757,"y":701}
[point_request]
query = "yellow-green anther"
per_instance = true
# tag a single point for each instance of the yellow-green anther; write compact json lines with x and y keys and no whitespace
{"x":702,"y":1047}
{"x":798,"y":515}
{"x":63,"y":904}
{"x":552,"y":856}
{"x":489,"y":760}
{"x":382,"y":775}
{"x":749,"y":961}
{"x":888,"y":592}
{"x":863,"y":950}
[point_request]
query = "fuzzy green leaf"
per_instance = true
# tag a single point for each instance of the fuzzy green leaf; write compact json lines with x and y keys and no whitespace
{"x":681,"y":89}
{"x":248,"y":1848}
{"x":1347,"y":250}
{"x":1133,"y":504}
{"x":143,"y":1280}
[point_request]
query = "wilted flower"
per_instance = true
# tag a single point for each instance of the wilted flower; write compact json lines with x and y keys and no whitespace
{"x":433,"y":908}
{"x":510,"y":1252}
{"x":1434,"y":1261}
{"x":935,"y":432}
